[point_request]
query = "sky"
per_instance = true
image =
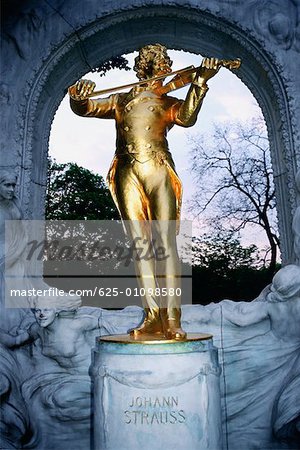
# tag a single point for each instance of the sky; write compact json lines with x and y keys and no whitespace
{"x":90,"y":142}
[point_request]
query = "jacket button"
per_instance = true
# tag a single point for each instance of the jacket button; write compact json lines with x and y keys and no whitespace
{"x":128,"y":108}
{"x":151,"y":108}
{"x":126,"y":128}
{"x":148,"y":145}
{"x":147,"y":128}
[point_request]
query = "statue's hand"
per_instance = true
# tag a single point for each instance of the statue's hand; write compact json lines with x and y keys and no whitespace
{"x":209,"y":68}
{"x":81,"y":89}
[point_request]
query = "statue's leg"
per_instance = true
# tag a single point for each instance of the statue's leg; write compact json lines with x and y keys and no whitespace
{"x":162,"y":206}
{"x":168,"y":272}
{"x":133,"y":206}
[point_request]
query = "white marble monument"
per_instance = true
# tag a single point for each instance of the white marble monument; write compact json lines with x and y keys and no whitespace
{"x":46,"y":46}
{"x":156,"y":394}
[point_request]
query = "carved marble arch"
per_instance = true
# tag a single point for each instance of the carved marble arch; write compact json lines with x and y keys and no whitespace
{"x":178,"y":29}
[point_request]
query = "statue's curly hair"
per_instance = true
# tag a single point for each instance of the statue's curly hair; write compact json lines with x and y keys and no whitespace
{"x":151,"y":58}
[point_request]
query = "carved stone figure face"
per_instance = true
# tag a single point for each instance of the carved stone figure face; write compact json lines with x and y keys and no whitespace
{"x":44,"y":317}
{"x":7,"y":188}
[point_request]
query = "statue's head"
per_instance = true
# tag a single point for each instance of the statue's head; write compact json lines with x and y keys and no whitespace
{"x":45,"y":316}
{"x":48,"y":307}
{"x":8,"y":181}
{"x":152,"y":61}
{"x":285,"y":284}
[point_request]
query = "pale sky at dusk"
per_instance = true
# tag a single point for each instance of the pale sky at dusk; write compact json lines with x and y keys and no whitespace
{"x":90,"y":142}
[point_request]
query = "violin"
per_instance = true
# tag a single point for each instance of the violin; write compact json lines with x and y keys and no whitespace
{"x":186,"y":76}
{"x":182,"y":78}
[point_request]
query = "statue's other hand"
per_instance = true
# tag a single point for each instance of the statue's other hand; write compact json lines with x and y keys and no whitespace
{"x":209,"y":68}
{"x":81,"y":89}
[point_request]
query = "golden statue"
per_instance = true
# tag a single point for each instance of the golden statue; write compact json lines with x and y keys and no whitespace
{"x":142,"y":177}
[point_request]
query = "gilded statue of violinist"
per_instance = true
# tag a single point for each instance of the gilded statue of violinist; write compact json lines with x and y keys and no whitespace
{"x":142,"y":177}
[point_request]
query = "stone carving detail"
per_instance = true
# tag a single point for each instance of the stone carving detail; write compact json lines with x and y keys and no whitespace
{"x":58,"y":396}
{"x":259,"y":344}
{"x":11,"y":246}
{"x":14,"y":418}
{"x":51,"y":395}
{"x":5,"y":95}
{"x":258,"y":350}
{"x":286,"y":407}
{"x":14,"y":421}
{"x":296,"y":222}
{"x":277,"y":23}
{"x":144,"y":379}
{"x":28,"y":17}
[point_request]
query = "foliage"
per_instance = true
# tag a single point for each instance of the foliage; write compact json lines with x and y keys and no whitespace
{"x":223,"y":268}
{"x":117,"y":62}
{"x":234,"y":166}
{"x":222,"y":252}
{"x":240,"y":284}
{"x":75,"y":193}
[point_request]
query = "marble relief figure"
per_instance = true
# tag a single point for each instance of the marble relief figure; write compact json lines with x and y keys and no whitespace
{"x":258,"y":342}
{"x":12,"y":244}
{"x":9,"y":210}
{"x":54,"y":351}
{"x":61,"y":332}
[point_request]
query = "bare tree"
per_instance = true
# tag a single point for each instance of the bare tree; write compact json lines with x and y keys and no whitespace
{"x":234,"y":176}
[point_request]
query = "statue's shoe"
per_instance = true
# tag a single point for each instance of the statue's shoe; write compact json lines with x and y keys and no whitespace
{"x":170,"y":318}
{"x":174,"y":332}
{"x":152,"y":324}
{"x":147,"y":327}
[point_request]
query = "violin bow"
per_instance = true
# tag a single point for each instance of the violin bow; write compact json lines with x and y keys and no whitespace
{"x":228,"y":63}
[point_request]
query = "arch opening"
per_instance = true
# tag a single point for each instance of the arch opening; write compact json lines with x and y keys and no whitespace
{"x":177,"y":29}
{"x":91,"y":143}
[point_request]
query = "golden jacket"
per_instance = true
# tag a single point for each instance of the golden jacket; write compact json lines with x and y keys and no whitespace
{"x":143,"y":119}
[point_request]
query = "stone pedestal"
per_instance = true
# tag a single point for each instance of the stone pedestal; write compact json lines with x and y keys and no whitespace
{"x":156,"y":394}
